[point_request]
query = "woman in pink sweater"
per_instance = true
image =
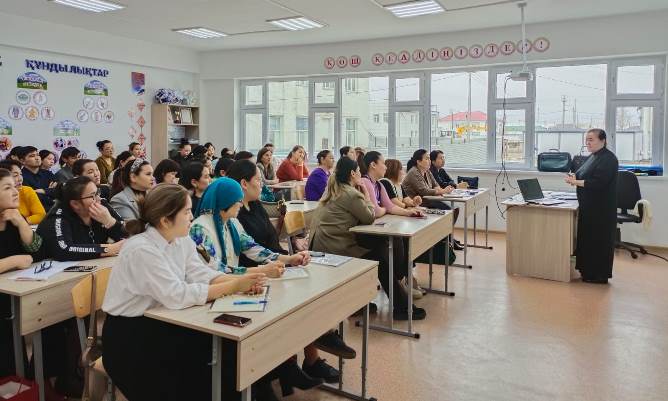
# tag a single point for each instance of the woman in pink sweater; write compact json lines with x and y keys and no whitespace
{"x":293,"y":167}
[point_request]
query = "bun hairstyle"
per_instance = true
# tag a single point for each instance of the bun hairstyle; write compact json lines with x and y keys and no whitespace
{"x":600,"y":133}
{"x":67,"y":153}
{"x":223,"y":164}
{"x":343,"y":152}
{"x":131,"y":168}
{"x":71,"y":190}
{"x":100,"y":144}
{"x":322,"y":155}
{"x":365,"y":161}
{"x":191,"y":171}
{"x":164,"y":200}
{"x":417,"y":156}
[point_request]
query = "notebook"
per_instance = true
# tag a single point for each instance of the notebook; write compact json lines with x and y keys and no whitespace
{"x":251,"y":303}
{"x":293,"y":273}
{"x":331,"y":260}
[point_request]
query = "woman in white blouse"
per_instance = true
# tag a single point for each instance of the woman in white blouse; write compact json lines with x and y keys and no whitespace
{"x":158,"y":266}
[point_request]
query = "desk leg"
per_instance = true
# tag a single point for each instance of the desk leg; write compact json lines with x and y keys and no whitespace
{"x":475,"y":228}
{"x":38,"y":357}
{"x":246,"y":394}
{"x":341,"y":359}
{"x":216,"y":369}
{"x":486,"y":246}
{"x":17,"y":339}
{"x":431,"y":266}
{"x":391,"y":329}
{"x":446,"y":267}
{"x":365,"y":355}
{"x":466,"y":230}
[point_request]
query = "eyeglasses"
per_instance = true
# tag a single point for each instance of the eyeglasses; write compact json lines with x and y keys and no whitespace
{"x":42,"y":267}
{"x":94,"y":196}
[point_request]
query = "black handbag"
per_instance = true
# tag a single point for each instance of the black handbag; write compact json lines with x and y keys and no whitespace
{"x":472,"y":181}
{"x":578,"y":161}
{"x":554,"y":161}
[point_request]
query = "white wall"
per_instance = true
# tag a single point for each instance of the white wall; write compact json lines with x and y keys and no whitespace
{"x":635,"y":34}
{"x":163,"y":68}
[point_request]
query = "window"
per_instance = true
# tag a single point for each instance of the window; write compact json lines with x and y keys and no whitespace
{"x":252,"y":131}
{"x":253,"y":95}
{"x":302,"y":130}
{"x":634,"y":132}
{"x":385,"y":117}
{"x":351,"y":130}
{"x":510,"y":135}
{"x":407,"y":90}
{"x":286,"y":101}
{"x":376,"y":118}
{"x":635,"y":79}
{"x":509,"y":89}
{"x":371,"y":98}
{"x":350,"y":84}
{"x":325,"y":92}
{"x":407,"y":125}
{"x":569,"y":101}
{"x":325,"y":126}
{"x":459,"y":128}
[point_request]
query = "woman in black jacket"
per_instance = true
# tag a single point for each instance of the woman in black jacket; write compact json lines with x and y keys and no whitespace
{"x":80,"y":226}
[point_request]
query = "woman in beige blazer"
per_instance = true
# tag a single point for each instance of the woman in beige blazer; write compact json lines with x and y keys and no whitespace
{"x":346,"y":204}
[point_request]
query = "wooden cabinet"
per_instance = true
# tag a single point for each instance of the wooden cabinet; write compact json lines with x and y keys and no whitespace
{"x":170,"y":124}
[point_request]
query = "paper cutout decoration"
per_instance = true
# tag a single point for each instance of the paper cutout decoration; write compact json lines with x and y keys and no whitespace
{"x":96,"y":88}
{"x":5,"y":129}
{"x":31,"y":80}
{"x":66,"y":128}
{"x":138,"y":83}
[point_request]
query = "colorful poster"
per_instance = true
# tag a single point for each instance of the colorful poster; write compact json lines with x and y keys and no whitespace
{"x":31,"y":80}
{"x":96,"y":88}
{"x":66,"y":128}
{"x":5,"y":128}
{"x":138,"y":83}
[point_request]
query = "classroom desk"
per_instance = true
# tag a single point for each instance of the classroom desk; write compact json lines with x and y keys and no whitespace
{"x":40,"y":304}
{"x":471,"y":205}
{"x":296,"y":188}
{"x":299,"y":311}
{"x":540,"y":240}
{"x":422,"y":235}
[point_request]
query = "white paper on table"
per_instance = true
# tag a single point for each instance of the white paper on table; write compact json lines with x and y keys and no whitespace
{"x":11,"y":389}
{"x":293,"y":273}
{"x":331,"y":260}
{"x":226,"y":304}
{"x":29,"y":273}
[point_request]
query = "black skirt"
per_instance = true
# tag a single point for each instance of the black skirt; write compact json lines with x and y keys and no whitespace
{"x":151,"y":360}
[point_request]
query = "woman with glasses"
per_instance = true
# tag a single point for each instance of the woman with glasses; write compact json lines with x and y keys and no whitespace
{"x":88,"y":168}
{"x":79,"y":227}
{"x":137,"y":178}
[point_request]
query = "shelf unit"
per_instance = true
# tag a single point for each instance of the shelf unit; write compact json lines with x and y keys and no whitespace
{"x":165,"y":134}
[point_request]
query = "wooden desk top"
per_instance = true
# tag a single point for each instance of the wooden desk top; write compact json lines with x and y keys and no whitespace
{"x":401,"y":226}
{"x":460,"y":195}
{"x":304,"y":206}
{"x":566,"y":205}
{"x":284,"y":298}
{"x":21,"y":288}
{"x":287,"y":184}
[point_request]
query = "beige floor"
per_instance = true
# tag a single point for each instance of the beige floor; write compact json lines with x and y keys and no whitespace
{"x":510,"y":338}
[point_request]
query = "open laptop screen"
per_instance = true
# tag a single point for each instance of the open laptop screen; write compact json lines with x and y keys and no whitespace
{"x":530,"y":189}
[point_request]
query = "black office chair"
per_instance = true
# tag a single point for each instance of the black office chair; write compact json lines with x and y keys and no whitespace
{"x":628,"y":194}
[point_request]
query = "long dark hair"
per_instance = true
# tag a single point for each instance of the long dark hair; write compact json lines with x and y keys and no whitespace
{"x":322,"y":155}
{"x":191,"y":171}
{"x":242,"y":170}
{"x":165,"y":200}
{"x":71,"y":190}
{"x":364,"y":162}
{"x":341,"y":177}
{"x":417,"y":156}
{"x":123,"y":156}
{"x":66,"y":154}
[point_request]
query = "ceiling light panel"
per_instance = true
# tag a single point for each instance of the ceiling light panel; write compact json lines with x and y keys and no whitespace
{"x":96,"y":6}
{"x":201,"y":33}
{"x":295,"y":23}
{"x":415,"y":8}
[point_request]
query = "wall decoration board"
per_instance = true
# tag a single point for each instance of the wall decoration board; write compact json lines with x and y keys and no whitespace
{"x":52,"y":101}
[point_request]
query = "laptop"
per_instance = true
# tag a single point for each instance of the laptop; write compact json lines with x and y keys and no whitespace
{"x":532,"y":193}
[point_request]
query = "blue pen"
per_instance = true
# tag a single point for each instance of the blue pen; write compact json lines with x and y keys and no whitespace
{"x":248,"y":302}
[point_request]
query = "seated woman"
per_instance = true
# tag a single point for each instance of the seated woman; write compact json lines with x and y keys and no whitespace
{"x":317,"y":181}
{"x":138,"y":179}
{"x":293,"y":167}
{"x":394,"y":175}
{"x":159,"y":267}
{"x":264,"y":163}
{"x":135,"y":149}
{"x":255,"y":221}
{"x":440,"y":175}
{"x":67,"y":158}
{"x":373,"y":168}
{"x":223,"y":239}
{"x":345,"y":204}
{"x":30,"y":206}
{"x":195,"y":177}
{"x":79,"y":227}
{"x":167,"y":171}
{"x":89,"y":169}
{"x":106,"y":161}
{"x":122,"y":159}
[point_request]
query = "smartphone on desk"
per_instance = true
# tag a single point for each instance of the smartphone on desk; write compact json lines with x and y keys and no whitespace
{"x":232,"y":320}
{"x":79,"y":269}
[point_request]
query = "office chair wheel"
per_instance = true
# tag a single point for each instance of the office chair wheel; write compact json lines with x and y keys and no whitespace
{"x":634,"y":255}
